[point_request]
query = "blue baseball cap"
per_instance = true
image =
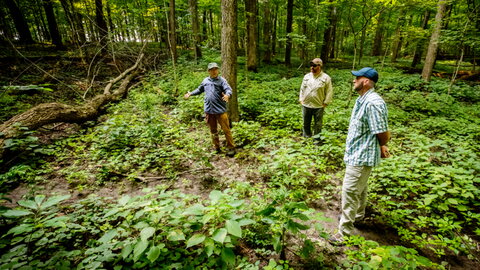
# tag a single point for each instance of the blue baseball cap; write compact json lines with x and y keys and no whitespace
{"x":367,"y":72}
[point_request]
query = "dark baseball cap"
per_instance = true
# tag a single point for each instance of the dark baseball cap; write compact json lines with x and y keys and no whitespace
{"x":367,"y":72}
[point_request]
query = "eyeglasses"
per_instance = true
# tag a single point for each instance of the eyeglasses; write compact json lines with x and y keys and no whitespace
{"x":314,"y":65}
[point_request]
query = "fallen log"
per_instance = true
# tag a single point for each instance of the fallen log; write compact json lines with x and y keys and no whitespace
{"x":50,"y":113}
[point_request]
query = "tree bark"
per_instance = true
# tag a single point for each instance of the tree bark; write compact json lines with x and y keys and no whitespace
{"x":20,"y":22}
{"x":288,"y":43}
{"x":229,"y":53}
{"x":434,"y":40}
{"x":397,"y":43}
{"x":101,"y":25}
{"x":52,"y":24}
{"x":329,"y":34}
{"x":419,"y":48}
{"x":377,"y":42}
{"x":172,"y":36}
{"x":195,"y":28}
{"x":267,"y":32}
{"x":251,"y":21}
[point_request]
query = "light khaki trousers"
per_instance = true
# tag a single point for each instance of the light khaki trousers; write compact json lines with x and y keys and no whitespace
{"x":354,"y":197}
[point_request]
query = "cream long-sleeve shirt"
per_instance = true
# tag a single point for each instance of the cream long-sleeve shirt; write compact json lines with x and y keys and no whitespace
{"x":316,"y":91}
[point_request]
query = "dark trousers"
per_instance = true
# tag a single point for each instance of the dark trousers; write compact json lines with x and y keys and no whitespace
{"x":308,"y":114}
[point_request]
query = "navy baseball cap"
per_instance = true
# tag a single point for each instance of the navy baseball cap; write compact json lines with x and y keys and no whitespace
{"x":367,"y":72}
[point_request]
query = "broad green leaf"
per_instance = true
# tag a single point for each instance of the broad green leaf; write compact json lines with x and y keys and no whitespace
{"x":140,"y":247}
{"x":39,"y":199}
{"x":209,"y":246}
{"x":57,"y":222}
{"x":28,"y":204}
{"x":112,"y":212}
{"x":277,"y":243}
{"x":22,"y":228}
{"x":452,"y":201}
{"x":108,"y":236}
{"x":16,"y":213}
{"x":228,"y":256}
{"x":53,"y":201}
{"x":176,"y":236}
{"x":219,"y":235}
{"x":127,"y":250}
{"x":236,"y":203}
{"x":196,"y":210}
{"x":195,"y":240}
{"x":233,"y":228}
{"x":153,"y":253}
{"x":147,"y":233}
{"x":124,"y":200}
{"x":424,"y":261}
{"x":215,"y":196}
{"x":245,"y":222}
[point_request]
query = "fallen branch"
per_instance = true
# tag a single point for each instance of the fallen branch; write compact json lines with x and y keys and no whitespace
{"x":49,"y":113}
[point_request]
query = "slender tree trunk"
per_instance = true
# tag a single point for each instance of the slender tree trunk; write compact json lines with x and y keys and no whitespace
{"x":267,"y":32}
{"x":111,"y":26}
{"x":288,"y":45}
{"x":329,"y":34}
{"x":397,"y":43}
{"x":197,"y":39}
{"x":204,"y":26}
{"x":101,"y":25}
{"x":7,"y":34}
{"x":274,"y":34}
{"x":377,"y":42}
{"x":20,"y":22}
{"x":172,"y":37}
{"x":52,"y":24}
{"x":419,"y":48}
{"x":251,"y":21}
{"x":229,"y":53}
{"x":433,"y":45}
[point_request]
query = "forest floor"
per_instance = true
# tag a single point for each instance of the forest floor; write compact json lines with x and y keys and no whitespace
{"x":222,"y":172}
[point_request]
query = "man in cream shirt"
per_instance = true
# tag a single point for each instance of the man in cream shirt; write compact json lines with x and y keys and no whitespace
{"x":316,"y":93}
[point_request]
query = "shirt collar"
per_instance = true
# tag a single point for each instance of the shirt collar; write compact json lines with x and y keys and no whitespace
{"x":362,"y":98}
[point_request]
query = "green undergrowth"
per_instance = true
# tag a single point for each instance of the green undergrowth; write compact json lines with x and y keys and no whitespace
{"x":427,"y":191}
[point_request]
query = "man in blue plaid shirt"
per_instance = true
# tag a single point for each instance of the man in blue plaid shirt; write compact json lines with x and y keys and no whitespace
{"x":366,"y":143}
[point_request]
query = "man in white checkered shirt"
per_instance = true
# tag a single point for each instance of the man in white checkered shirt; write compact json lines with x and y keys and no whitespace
{"x":366,"y":143}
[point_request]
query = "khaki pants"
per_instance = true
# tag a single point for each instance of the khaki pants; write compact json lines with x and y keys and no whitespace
{"x":354,"y":197}
{"x":222,"y":119}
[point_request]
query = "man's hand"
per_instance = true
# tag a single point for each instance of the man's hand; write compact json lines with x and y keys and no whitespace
{"x":384,"y":151}
{"x":187,"y":95}
{"x":225,"y":97}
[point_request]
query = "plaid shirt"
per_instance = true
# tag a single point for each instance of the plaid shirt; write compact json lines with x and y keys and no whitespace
{"x":369,"y":117}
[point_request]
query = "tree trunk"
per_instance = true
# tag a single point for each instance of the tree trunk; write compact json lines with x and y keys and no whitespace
{"x":267,"y":32}
{"x":274,"y":34}
{"x":229,"y":53}
{"x":7,"y":34}
{"x":288,"y":44}
{"x":397,"y":43}
{"x":172,"y":36}
{"x":419,"y":49}
{"x":52,"y":24}
{"x":195,"y":28}
{"x":101,"y":25}
{"x":111,"y":26}
{"x":251,"y":21}
{"x":329,"y":34}
{"x":377,"y":42}
{"x":433,"y":45}
{"x":204,"y":26}
{"x":20,"y":22}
